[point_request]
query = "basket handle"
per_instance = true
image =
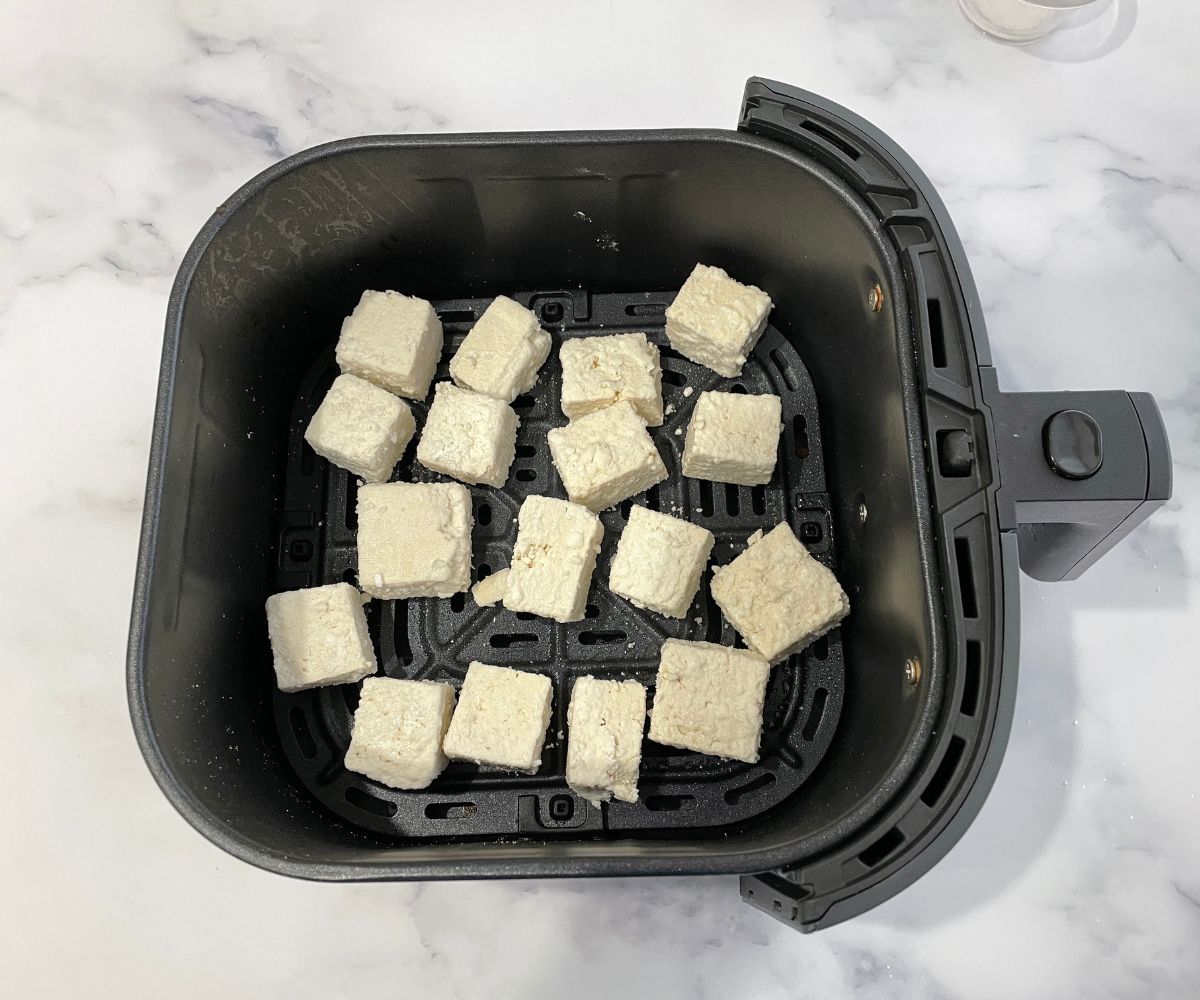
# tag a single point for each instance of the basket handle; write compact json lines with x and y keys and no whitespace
{"x":1078,"y":472}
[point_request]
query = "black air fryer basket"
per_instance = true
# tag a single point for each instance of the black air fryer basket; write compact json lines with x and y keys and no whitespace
{"x":903,"y":467}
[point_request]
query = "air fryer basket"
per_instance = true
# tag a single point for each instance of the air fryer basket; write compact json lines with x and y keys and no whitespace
{"x":902,"y":466}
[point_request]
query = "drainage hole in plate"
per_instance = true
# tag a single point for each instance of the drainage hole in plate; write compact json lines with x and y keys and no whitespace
{"x":602,"y":637}
{"x":458,"y":602}
{"x":503,"y":640}
{"x":449,"y":810}
{"x":304,"y":736}
{"x":369,"y":803}
{"x":668,"y":803}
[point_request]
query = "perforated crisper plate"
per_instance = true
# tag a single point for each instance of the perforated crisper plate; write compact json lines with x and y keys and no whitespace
{"x":437,"y":639}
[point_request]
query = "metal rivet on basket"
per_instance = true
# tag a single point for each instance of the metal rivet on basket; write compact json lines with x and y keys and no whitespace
{"x":876,"y":299}
{"x":912,"y":671}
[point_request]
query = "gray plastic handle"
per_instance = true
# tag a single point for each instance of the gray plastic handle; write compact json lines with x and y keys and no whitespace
{"x":1064,"y":524}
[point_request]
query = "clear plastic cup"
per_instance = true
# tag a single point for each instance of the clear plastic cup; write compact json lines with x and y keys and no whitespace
{"x":1020,"y":22}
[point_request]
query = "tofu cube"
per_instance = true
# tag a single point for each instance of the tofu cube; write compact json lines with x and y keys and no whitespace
{"x":600,"y":371}
{"x":709,"y":698}
{"x":392,"y":340}
{"x":778,"y":596}
{"x":360,"y":427}
{"x":319,"y":636}
{"x":502,"y":354}
{"x":553,"y":559}
{"x":414,"y":539}
{"x":659,"y":562}
{"x":716,"y":321}
{"x":733,"y":438}
{"x":489,"y":591}
{"x":398,"y":730}
{"x":501,"y":718}
{"x":469,"y":436}
{"x":604,"y":739}
{"x":606,"y":456}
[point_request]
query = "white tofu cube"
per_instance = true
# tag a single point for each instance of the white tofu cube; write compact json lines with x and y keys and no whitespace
{"x":778,"y":596}
{"x":733,"y":438}
{"x":604,"y":739}
{"x":469,"y":436}
{"x":501,"y":718}
{"x":709,"y":698}
{"x":414,"y":539}
{"x":398,"y":730}
{"x":502,"y":354}
{"x":600,"y":371}
{"x":553,"y":559}
{"x":716,"y":321}
{"x":319,"y":636}
{"x":659,"y":562}
{"x":360,"y":427}
{"x":606,"y":456}
{"x":392,"y":340}
{"x":489,"y":591}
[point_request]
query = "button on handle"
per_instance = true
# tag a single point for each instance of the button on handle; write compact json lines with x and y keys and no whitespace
{"x":1078,"y":471}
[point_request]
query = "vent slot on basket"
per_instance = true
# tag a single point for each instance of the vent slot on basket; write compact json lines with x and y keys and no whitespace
{"x":884,"y":846}
{"x":304,"y":736}
{"x":971,"y":671}
{"x":735,"y":795}
{"x":937,"y":335}
{"x":945,"y":771}
{"x":502,"y":640}
{"x":966,"y":577}
{"x":836,"y":141}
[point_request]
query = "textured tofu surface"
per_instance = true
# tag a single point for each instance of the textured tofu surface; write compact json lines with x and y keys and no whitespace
{"x":709,"y":698}
{"x":361,"y":427}
{"x":659,"y":562}
{"x":600,"y":371}
{"x":501,"y":718}
{"x":778,"y":596}
{"x":319,"y":636}
{"x":553,"y":559}
{"x":468,"y":435}
{"x":398,"y":730}
{"x":490,"y":590}
{"x":502,"y":353}
{"x":414,"y":539}
{"x":733,"y":438}
{"x":604,"y":738}
{"x":716,"y":321}
{"x":606,"y":456}
{"x":392,"y":340}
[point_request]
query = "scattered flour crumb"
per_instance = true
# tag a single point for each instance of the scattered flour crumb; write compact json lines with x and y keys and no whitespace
{"x":698,"y":620}
{"x":688,"y":390}
{"x":667,"y":412}
{"x":678,"y":431}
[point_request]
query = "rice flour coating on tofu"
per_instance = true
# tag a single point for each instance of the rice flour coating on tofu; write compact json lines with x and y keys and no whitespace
{"x":490,"y":590}
{"x":319,"y":636}
{"x":600,"y":371}
{"x":360,"y":427}
{"x":398,"y":730}
{"x":392,"y":340}
{"x":502,"y":353}
{"x":659,"y":562}
{"x":469,"y":436}
{"x":733,"y":438}
{"x":606,"y":456}
{"x":553,"y":559}
{"x":501,"y":718}
{"x":604,"y":738}
{"x":778,"y":596}
{"x":709,"y":698}
{"x":414,"y":539}
{"x":716,"y":321}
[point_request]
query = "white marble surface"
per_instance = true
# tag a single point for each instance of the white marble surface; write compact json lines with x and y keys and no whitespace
{"x":1076,"y":188}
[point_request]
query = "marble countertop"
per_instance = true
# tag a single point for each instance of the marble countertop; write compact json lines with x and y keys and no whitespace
{"x":1073,"y":174}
